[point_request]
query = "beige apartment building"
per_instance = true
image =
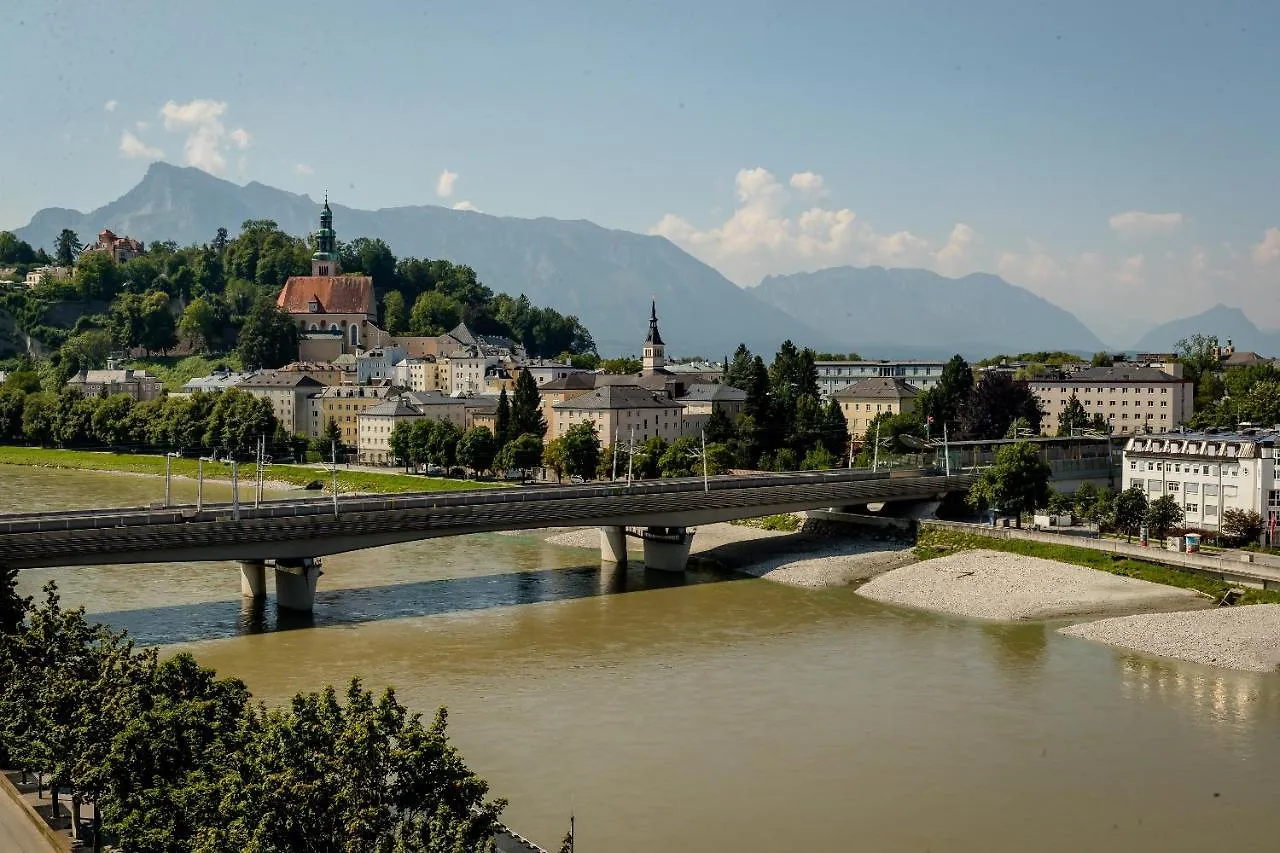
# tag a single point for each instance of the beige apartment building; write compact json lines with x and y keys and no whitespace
{"x":701,"y":399}
{"x":862,"y":401}
{"x":418,"y":374}
{"x":289,"y":393}
{"x":621,"y":411}
{"x":138,"y":384}
{"x":343,"y":405}
{"x":1131,"y":398}
{"x":374,"y":427}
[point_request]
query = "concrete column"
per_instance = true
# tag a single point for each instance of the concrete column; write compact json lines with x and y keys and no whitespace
{"x":670,"y":552}
{"x":296,"y":585}
{"x":613,"y":544}
{"x":253,"y":578}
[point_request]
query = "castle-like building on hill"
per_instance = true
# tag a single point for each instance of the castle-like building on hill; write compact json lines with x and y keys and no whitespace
{"x":335,"y":313}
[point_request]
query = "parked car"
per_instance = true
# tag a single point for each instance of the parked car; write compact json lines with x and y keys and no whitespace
{"x":577,"y":480}
{"x":435,"y":471}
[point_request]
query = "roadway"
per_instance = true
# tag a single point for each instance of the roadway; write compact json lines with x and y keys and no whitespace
{"x":309,"y":527}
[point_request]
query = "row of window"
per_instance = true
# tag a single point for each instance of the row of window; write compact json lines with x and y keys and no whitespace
{"x":1124,"y":389}
{"x":1190,"y":468}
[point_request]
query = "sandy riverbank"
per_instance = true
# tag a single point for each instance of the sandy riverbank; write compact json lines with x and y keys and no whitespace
{"x":1001,"y":586}
{"x":795,"y":558}
{"x":246,"y":484}
{"x":1245,"y":637}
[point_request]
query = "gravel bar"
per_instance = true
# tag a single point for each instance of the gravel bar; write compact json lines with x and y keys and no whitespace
{"x":1001,"y":586}
{"x":1246,"y":637}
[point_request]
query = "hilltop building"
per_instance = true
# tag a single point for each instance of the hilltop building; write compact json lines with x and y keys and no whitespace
{"x":121,"y":249}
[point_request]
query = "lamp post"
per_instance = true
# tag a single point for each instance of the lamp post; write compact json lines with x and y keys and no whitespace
{"x":168,"y":479}
{"x":334,"y":464}
{"x":200,"y":480}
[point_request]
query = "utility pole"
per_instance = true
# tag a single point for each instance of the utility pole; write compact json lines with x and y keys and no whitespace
{"x":200,"y":484}
{"x":615,"y":453}
{"x":168,"y":485}
{"x":631,"y":453}
{"x":946,"y":451}
{"x":235,"y":489}
{"x":334,"y":455}
{"x":875,"y":458}
{"x":706,"y":484}
{"x":257,"y":474}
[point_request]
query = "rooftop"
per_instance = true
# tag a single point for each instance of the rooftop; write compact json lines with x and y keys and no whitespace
{"x":280,"y":379}
{"x":333,"y":294}
{"x":1115,"y":373}
{"x":396,"y":407}
{"x":712,"y":392}
{"x":878,"y":387}
{"x":616,"y":397}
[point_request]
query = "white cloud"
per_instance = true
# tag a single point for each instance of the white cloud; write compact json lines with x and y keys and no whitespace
{"x":808,"y":182}
{"x":1267,"y":252}
{"x":141,"y":125}
{"x":1136,"y":223}
{"x":466,"y":205}
{"x":765,"y":236}
{"x":207,"y":137}
{"x":955,"y":258}
{"x":110,"y":106}
{"x":444,"y":184}
{"x":132,"y":146}
{"x":303,"y":169}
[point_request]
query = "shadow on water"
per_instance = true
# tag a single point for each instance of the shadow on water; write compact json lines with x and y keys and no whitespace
{"x":184,"y":623}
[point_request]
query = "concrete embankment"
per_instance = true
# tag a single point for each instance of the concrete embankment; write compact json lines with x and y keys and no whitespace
{"x":1002,"y":586}
{"x":1246,"y":638}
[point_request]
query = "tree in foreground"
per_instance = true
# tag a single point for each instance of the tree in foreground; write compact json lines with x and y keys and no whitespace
{"x":477,"y":449}
{"x":1241,"y":526}
{"x":581,"y":446}
{"x":1017,"y":483}
{"x":523,"y":452}
{"x":1163,"y":514}
{"x":268,"y":338}
{"x":1130,"y":510}
{"x":526,"y":407}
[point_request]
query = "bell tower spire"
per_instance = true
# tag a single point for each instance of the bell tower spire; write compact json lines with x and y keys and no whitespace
{"x":325,"y":259}
{"x":655,"y":352}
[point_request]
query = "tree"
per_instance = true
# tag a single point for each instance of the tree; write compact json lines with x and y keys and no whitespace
{"x":96,"y":276}
{"x":442,"y":443}
{"x":835,"y":430}
{"x":111,"y":421}
{"x":158,"y":327}
{"x":682,"y":458}
{"x":553,"y":456}
{"x":996,"y":402}
{"x":719,"y":427}
{"x":394,"y":315}
{"x":1241,"y":526}
{"x":1017,"y":483}
{"x":523,"y":452}
{"x":623,"y":366}
{"x":738,"y":371}
{"x":477,"y":449}
{"x":400,"y":441}
{"x":1073,"y":416}
{"x":40,"y":417}
{"x":581,"y":449}
{"x":1102,"y":359}
{"x":1163,"y":514}
{"x":1130,"y":510}
{"x":1085,"y":501}
{"x":88,"y":350}
{"x":13,"y":609}
{"x":125,"y":321}
{"x":12,"y":400}
{"x":944,"y":401}
{"x":502,"y":420}
{"x":526,"y":407}
{"x":67,"y":247}
{"x":237,"y":420}
{"x":1199,"y":356}
{"x":818,"y":459}
{"x":268,"y":338}
{"x":434,"y":314}
{"x":200,"y":324}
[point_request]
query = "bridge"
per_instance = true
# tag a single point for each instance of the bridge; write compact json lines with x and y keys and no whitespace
{"x":291,"y":535}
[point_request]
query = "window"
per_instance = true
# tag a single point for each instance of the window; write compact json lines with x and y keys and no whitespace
{"x":1191,"y":488}
{"x":1172,"y":486}
{"x":1154,"y":486}
{"x":1211,"y":510}
{"x":1230,"y":491}
{"x":1273,"y":499}
{"x":1210,"y":490}
{"x":1192,"y":507}
{"x":1133,"y":466}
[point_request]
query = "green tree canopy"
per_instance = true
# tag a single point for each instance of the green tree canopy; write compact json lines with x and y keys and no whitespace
{"x":581,"y":449}
{"x":1163,"y":514}
{"x":268,"y":338}
{"x":1017,"y":483}
{"x":526,"y":407}
{"x":1130,"y":510}
{"x":477,"y":449}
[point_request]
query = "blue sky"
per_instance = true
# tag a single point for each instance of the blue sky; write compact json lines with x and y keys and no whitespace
{"x":1117,"y":158}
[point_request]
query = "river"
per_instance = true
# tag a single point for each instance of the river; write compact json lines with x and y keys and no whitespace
{"x":726,"y":714}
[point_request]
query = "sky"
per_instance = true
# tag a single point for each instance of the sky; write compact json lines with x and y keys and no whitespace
{"x":1117,"y":158}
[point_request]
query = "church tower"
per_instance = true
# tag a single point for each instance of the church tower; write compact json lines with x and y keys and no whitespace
{"x":325,"y":260}
{"x":655,"y":352}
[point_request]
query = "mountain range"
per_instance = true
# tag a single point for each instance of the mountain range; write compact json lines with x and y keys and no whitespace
{"x":1226,"y":323}
{"x":607,"y":277}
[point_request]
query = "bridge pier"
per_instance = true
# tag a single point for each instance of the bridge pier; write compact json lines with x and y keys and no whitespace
{"x":666,"y":549}
{"x":296,"y":584}
{"x":253,"y":579}
{"x":613,"y":544}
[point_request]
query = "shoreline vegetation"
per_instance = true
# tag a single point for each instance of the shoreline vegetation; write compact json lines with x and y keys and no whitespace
{"x":278,"y":476}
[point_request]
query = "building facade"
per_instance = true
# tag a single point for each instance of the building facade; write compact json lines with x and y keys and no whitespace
{"x":620,"y":411}
{"x":120,"y":249}
{"x":374,"y":427}
{"x":701,"y":399}
{"x":138,"y":384}
{"x":1131,"y":398}
{"x":862,"y":401}
{"x":834,"y":375}
{"x":343,"y":404}
{"x":290,"y":396}
{"x":1207,"y":473}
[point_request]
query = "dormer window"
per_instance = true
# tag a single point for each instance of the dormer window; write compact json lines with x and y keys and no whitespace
{"x":314,"y":306}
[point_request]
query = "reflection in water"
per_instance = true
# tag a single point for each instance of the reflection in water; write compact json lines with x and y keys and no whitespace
{"x":1020,"y":647}
{"x":1215,"y":696}
{"x":185,"y":623}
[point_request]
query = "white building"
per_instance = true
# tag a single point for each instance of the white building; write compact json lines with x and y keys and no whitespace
{"x":544,"y":371}
{"x":418,"y":374}
{"x":1207,"y":473}
{"x":620,"y":410}
{"x":465,"y":371}
{"x":378,"y":364}
{"x":835,"y":375}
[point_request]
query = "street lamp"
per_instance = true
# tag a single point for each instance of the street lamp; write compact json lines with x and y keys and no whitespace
{"x":168,"y":478}
{"x":200,"y":480}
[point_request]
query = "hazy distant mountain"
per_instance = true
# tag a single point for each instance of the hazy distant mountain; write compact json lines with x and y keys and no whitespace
{"x":915,"y":312}
{"x":1224,"y":322}
{"x":603,"y":276}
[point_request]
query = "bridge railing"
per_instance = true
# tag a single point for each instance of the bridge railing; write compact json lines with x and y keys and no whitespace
{"x":128,"y":516}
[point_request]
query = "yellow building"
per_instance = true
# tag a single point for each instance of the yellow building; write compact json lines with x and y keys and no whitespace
{"x":343,"y":405}
{"x":863,"y":400}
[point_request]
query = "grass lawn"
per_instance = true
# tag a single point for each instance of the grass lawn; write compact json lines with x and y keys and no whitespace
{"x":297,"y":475}
{"x":936,"y":542}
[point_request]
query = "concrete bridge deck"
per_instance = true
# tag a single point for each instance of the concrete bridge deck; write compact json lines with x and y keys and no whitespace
{"x":309,"y":527}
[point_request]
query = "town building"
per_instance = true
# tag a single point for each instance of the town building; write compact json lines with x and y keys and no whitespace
{"x":40,"y":275}
{"x":835,"y":375}
{"x":378,"y":364}
{"x":461,"y":337}
{"x":1207,"y":472}
{"x":331,"y":310}
{"x":463,"y":371}
{"x":862,"y":401}
{"x":290,"y":396}
{"x":1131,"y":398}
{"x":375,"y":425}
{"x":544,"y":371}
{"x":138,"y":384}
{"x":324,"y":372}
{"x":343,"y":404}
{"x":418,"y":374}
{"x":620,"y":411}
{"x":121,"y":249}
{"x":702,"y":399}
{"x":219,"y":380}
{"x":440,"y":407}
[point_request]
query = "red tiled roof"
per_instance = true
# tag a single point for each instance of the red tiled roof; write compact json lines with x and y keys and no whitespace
{"x":337,"y":294}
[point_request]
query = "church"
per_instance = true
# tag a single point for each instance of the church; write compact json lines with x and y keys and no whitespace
{"x":335,"y":313}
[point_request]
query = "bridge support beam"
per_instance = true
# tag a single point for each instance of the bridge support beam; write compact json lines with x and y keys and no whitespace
{"x":253,"y":579}
{"x":296,"y":584}
{"x":613,"y":544}
{"x":666,"y":549}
